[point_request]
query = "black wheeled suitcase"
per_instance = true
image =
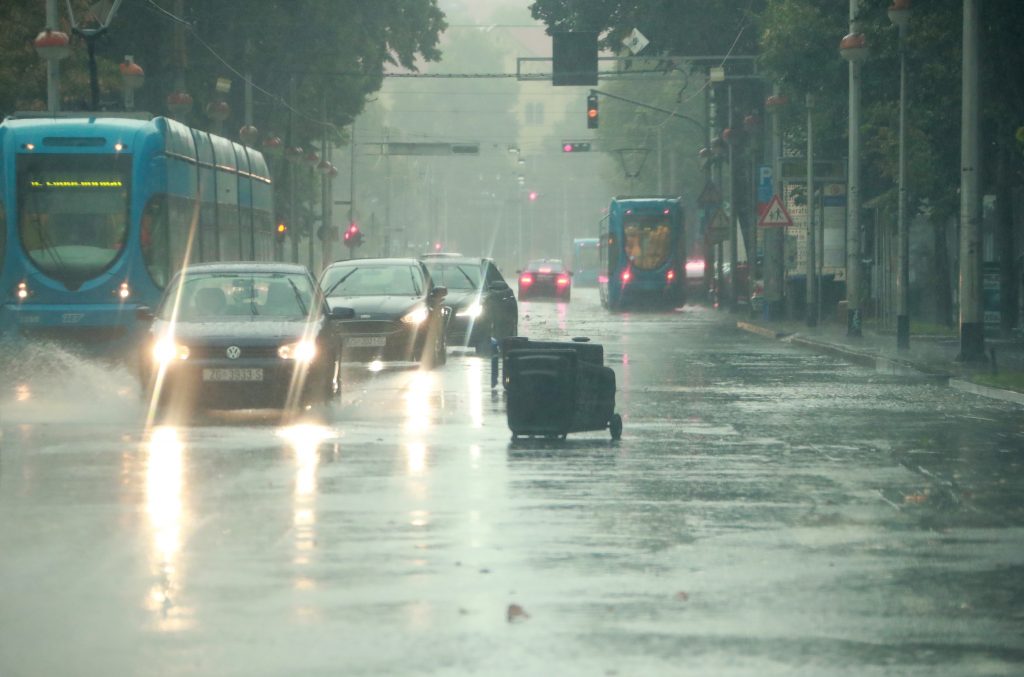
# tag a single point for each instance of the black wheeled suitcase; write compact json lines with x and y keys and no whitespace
{"x":553,"y":389}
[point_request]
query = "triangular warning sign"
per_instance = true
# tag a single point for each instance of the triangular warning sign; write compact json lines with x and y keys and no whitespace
{"x":775,"y":215}
{"x":718,"y":227}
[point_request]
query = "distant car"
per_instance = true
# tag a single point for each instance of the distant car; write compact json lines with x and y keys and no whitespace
{"x":483,"y":305}
{"x":398,"y":310}
{"x":545,"y":278}
{"x":241,"y":335}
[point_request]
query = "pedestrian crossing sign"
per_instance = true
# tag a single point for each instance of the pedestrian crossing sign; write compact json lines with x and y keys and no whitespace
{"x":775,"y":215}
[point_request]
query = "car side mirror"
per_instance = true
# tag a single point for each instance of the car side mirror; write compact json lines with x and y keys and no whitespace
{"x":342,"y":313}
{"x":144,"y":314}
{"x":498,"y":285}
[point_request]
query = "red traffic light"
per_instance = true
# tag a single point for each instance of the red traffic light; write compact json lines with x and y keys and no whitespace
{"x":592,"y":111}
{"x":533,"y":195}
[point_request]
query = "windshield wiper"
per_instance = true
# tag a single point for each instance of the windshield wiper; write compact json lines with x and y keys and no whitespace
{"x":298,"y":295}
{"x":338,"y":283}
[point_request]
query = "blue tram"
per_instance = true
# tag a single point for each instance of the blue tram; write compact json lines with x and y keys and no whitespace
{"x":643,"y":253}
{"x":97,"y":212}
{"x":586,"y":261}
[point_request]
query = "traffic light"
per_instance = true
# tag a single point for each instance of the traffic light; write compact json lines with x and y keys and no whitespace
{"x":353,"y":236}
{"x":592,"y":111}
{"x":281,"y":231}
{"x":575,"y":146}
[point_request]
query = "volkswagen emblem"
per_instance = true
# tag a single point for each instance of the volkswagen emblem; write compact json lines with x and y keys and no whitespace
{"x":233,"y":352}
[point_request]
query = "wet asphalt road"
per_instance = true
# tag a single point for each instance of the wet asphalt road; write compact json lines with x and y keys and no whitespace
{"x":767,"y":512}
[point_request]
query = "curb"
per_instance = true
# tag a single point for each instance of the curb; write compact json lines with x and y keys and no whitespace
{"x":886,"y":365}
{"x":987,"y":391}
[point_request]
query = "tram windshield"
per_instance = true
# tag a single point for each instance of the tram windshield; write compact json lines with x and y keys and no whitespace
{"x":73,"y":212}
{"x":647,"y":240}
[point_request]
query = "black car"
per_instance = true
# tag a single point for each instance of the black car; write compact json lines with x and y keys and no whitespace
{"x":482,"y":303}
{"x":242,"y":335}
{"x":545,"y":278}
{"x":399,"y":314}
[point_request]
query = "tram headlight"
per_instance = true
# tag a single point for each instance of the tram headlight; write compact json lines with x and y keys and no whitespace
{"x":302,"y":352}
{"x":22,"y":291}
{"x":123,"y":292}
{"x":167,"y":350}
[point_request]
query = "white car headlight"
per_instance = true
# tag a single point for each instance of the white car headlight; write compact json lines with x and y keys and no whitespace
{"x":416,"y":316}
{"x":166,"y":350}
{"x":301,"y":351}
{"x":473,"y":310}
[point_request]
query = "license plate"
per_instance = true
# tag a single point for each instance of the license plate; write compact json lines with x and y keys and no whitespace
{"x":232,"y":374}
{"x":366,"y":341}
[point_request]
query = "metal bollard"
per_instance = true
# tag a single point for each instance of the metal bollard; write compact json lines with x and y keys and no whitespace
{"x":495,"y":356}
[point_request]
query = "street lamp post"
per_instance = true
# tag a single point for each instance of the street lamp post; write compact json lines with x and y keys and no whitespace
{"x":52,"y":45}
{"x":810,"y":296}
{"x":899,"y":15}
{"x":853,"y":48}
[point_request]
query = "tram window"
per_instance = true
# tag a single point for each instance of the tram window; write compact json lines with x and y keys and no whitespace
{"x":153,"y":239}
{"x":73,"y":213}
{"x":646,"y":243}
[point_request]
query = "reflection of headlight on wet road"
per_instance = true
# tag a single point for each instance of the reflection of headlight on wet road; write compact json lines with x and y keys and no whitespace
{"x":473,"y":310}
{"x":415,"y":316}
{"x":301,"y":351}
{"x":166,"y":350}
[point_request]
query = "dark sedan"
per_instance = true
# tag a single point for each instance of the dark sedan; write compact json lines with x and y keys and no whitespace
{"x":242,"y":335}
{"x":483,"y":305}
{"x":398,"y":311}
{"x":545,"y":278}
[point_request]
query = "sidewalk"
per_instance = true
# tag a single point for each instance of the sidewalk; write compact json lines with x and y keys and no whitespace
{"x":933,"y":357}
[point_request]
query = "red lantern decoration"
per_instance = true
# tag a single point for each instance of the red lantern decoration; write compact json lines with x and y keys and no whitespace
{"x":273,"y":144}
{"x":179,"y":103}
{"x":311,"y":159}
{"x":218,"y":110}
{"x":333,"y":171}
{"x":132,"y":73}
{"x":293,"y":153}
{"x":249,"y":135}
{"x":775,"y":102}
{"x":324,"y":167}
{"x":854,"y":47}
{"x":52,"y":45}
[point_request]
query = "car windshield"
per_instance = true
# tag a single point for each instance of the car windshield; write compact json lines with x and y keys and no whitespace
{"x":373,"y":280}
{"x":231,"y":295}
{"x":546,"y":266}
{"x":462,"y":276}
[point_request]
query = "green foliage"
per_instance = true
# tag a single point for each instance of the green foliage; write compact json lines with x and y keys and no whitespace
{"x":336,"y":51}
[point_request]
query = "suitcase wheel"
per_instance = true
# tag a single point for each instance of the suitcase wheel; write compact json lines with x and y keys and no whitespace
{"x":615,"y":427}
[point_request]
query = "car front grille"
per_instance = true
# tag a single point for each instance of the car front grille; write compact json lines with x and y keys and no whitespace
{"x":369,"y":327}
{"x":200,"y":352}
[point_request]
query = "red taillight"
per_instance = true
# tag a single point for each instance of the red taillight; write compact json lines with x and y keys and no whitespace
{"x":526,"y":280}
{"x":626,"y":275}
{"x":562,"y":280}
{"x":670,"y":275}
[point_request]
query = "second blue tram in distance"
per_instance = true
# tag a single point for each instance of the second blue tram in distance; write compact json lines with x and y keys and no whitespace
{"x":643,"y":253}
{"x":586,"y":261}
{"x":97,"y":212}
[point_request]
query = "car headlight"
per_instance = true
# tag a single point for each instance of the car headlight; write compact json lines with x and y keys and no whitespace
{"x":416,"y":316}
{"x":300,"y":351}
{"x":167,"y":350}
{"x":473,"y":310}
